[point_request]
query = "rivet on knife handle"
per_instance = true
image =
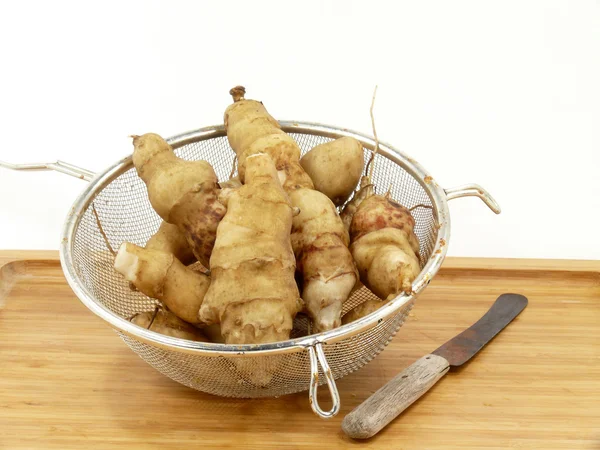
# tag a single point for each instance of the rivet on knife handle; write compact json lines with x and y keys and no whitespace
{"x":393,"y":398}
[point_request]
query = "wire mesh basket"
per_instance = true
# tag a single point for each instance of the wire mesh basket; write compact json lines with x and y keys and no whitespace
{"x":117,"y":198}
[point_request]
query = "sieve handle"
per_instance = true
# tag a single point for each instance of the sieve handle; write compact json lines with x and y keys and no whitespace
{"x":58,"y":166}
{"x":317,"y":356}
{"x":473,"y":190}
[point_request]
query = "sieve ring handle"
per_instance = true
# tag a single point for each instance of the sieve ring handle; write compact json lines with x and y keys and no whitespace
{"x":473,"y":190}
{"x":317,"y":356}
{"x":58,"y":166}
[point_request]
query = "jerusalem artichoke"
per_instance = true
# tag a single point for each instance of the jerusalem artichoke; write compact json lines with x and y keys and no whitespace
{"x":251,"y":129}
{"x":161,"y":276}
{"x":321,"y":243}
{"x":383,"y":243}
{"x":253,"y":294}
{"x":335,"y":167}
{"x":318,"y":237}
{"x":183,"y":193}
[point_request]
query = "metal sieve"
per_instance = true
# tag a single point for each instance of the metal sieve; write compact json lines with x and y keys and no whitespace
{"x":119,"y":198}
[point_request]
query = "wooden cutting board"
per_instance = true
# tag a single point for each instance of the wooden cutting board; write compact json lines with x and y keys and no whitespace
{"x":68,"y":381}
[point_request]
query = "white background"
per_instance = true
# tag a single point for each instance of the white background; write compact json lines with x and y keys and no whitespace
{"x":506,"y":94}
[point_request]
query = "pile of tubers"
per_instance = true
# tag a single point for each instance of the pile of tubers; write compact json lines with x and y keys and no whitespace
{"x":235,"y":261}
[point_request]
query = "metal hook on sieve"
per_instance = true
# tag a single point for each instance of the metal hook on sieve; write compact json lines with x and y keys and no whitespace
{"x":473,"y":190}
{"x":317,"y":356}
{"x":58,"y":166}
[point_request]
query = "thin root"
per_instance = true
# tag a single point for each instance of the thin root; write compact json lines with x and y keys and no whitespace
{"x":153,"y":317}
{"x":370,"y":165}
{"x":388,"y":194}
{"x":102,"y":230}
{"x":233,"y":167}
{"x":420,"y":205}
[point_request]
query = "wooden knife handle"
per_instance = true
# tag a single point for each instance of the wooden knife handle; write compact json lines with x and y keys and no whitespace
{"x":399,"y":393}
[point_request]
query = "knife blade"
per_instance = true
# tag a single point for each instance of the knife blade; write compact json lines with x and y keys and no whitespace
{"x":464,"y":346}
{"x":371,"y":416}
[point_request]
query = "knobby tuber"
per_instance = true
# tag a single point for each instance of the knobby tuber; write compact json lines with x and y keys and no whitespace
{"x":251,"y":129}
{"x":183,"y":193}
{"x":335,"y":167}
{"x":383,"y":242}
{"x":318,"y":236}
{"x":253,"y":294}
{"x":161,"y":276}
{"x":165,"y":322}
{"x":384,"y":246}
{"x":321,"y":243}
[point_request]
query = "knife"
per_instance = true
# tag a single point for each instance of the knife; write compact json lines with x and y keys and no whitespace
{"x":387,"y":403}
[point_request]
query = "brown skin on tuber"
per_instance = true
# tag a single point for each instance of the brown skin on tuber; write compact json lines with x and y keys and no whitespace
{"x":335,"y":167}
{"x":318,"y":236}
{"x":253,"y":294}
{"x":183,"y":193}
{"x":165,"y":322}
{"x":161,"y":276}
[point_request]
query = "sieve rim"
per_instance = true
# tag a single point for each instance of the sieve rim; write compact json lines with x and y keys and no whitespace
{"x":436,"y":194}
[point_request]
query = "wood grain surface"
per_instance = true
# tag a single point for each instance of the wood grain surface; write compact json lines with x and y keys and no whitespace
{"x":68,"y":381}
